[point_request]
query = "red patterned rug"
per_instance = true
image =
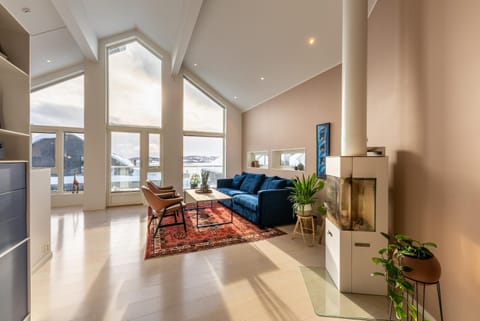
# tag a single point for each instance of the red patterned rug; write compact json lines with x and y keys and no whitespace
{"x":173,"y":240}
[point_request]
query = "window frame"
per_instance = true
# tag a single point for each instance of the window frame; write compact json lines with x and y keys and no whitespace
{"x":59,"y":149}
{"x":144,"y":131}
{"x":107,"y":81}
{"x":59,"y":131}
{"x":190,"y":133}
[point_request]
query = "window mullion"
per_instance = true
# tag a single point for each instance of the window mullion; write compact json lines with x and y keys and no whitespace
{"x":59,"y":159}
{"x":203,"y":134}
{"x":144,"y":155}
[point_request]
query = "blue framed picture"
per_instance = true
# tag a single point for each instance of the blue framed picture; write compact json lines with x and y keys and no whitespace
{"x":323,"y":148}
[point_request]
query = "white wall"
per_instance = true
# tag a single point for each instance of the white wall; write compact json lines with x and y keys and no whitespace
{"x":95,"y":159}
{"x":40,"y":212}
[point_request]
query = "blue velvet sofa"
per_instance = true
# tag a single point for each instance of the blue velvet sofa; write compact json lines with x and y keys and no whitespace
{"x":261,"y":199}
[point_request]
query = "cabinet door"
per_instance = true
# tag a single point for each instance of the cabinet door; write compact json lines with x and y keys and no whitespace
{"x":12,"y":176}
{"x":365,"y":245}
{"x":13,"y":225}
{"x":14,"y":285}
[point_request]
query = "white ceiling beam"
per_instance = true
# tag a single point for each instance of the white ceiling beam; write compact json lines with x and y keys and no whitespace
{"x":75,"y":18}
{"x":187,"y":25}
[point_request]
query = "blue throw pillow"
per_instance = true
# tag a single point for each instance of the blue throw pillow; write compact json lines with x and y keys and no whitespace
{"x":251,"y":183}
{"x":278,"y":184}
{"x":237,"y":181}
{"x":266,"y":183}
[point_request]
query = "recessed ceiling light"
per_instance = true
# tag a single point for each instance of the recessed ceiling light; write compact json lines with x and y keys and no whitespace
{"x":195,"y":65}
{"x":49,"y":61}
{"x":235,"y":97}
{"x":311,"y":41}
{"x":262,"y":78}
{"x":26,"y":10}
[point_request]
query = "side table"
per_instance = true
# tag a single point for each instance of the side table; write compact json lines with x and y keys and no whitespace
{"x":307,"y":225}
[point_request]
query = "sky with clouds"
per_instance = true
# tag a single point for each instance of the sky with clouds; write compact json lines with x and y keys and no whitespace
{"x":135,"y":96}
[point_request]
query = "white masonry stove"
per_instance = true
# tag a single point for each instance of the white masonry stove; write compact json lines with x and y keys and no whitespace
{"x":357,"y":184}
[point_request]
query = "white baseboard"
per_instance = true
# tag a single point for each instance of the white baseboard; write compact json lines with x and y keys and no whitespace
{"x":41,"y":262}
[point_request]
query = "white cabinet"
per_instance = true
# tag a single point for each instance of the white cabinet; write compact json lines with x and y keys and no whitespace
{"x":40,"y":212}
{"x":357,"y":194}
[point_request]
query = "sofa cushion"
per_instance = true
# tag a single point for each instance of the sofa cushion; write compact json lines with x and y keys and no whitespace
{"x":237,"y":181}
{"x":266,"y":183}
{"x":230,"y":191}
{"x":248,"y":201}
{"x":278,"y":184}
{"x":252,"y":182}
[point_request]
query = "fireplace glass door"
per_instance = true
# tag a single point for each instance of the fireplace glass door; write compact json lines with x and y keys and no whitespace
{"x":351,"y":202}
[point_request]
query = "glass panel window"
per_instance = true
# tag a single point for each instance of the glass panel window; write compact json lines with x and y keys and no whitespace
{"x":53,"y":182}
{"x":155,"y":177}
{"x":202,"y":153}
{"x":257,"y":159}
{"x":125,"y":161}
{"x":73,"y":162}
{"x":200,"y":112}
{"x":59,"y":104}
{"x":291,"y":159}
{"x":43,"y":149}
{"x":153,"y":150}
{"x":134,"y":86}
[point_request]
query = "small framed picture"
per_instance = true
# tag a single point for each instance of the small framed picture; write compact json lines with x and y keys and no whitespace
{"x":323,"y":148}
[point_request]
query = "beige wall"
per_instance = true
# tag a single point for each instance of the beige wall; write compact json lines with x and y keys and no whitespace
{"x":289,"y":121}
{"x":423,"y":74}
{"x":423,"y":105}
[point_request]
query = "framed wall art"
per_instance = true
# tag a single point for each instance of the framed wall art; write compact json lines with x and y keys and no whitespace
{"x":323,"y":148}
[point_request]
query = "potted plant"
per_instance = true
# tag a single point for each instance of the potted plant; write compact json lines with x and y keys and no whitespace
{"x":204,"y":174}
{"x":404,"y":260}
{"x":303,"y":193}
{"x":194,"y":180}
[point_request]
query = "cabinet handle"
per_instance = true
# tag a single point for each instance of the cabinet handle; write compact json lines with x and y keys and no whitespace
{"x":362,"y":244}
{"x":330,"y":233}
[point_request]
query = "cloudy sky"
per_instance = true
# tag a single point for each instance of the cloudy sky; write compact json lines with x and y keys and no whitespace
{"x":58,"y":105}
{"x":135,"y":96}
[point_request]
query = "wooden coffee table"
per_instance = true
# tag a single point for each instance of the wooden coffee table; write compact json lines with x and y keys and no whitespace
{"x":214,"y":196}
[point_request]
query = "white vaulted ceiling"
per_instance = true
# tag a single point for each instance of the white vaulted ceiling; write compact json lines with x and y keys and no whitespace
{"x":229,"y":44}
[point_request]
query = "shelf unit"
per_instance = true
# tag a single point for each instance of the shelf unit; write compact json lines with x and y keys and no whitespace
{"x":260,"y":156}
{"x":14,"y":185}
{"x":288,"y":159}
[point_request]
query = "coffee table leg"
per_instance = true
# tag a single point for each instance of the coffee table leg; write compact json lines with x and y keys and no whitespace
{"x":197,"y":213}
{"x":215,"y":224}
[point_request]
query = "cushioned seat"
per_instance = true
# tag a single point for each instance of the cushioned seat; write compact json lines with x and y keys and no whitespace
{"x":247,"y":200}
{"x":230,"y":191}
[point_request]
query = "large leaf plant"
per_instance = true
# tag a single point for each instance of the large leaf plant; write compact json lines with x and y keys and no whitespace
{"x":304,"y":190}
{"x":398,"y":285}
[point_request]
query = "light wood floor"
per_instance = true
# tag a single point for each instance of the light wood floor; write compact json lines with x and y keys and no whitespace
{"x":98,"y":273}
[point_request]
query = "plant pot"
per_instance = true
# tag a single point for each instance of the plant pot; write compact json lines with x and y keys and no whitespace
{"x":307,"y":210}
{"x":193,"y":186}
{"x":423,"y":270}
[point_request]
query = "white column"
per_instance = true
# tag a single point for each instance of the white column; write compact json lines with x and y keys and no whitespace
{"x":95,"y":146}
{"x":354,"y":78}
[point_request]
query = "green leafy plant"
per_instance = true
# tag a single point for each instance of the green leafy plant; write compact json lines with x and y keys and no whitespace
{"x":194,"y":180}
{"x":398,"y":284}
{"x":304,"y":190}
